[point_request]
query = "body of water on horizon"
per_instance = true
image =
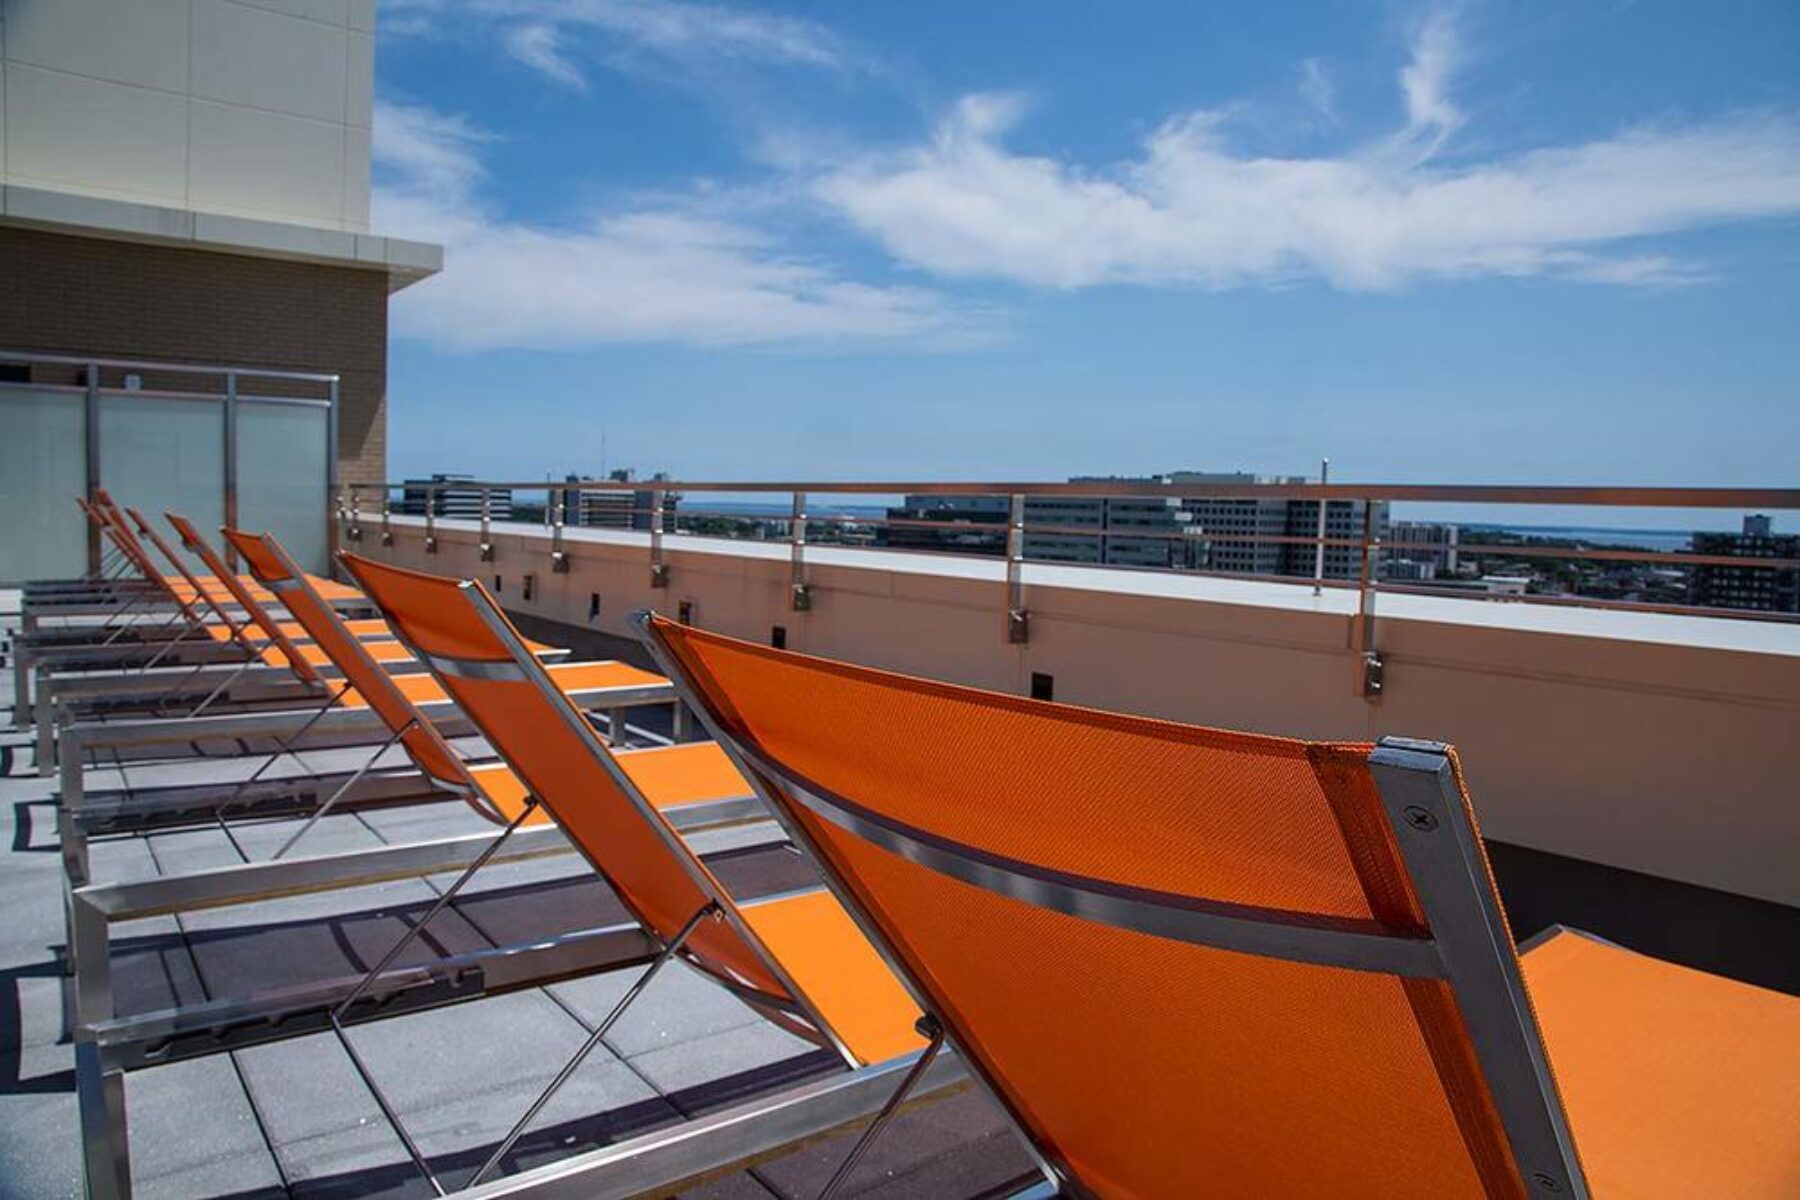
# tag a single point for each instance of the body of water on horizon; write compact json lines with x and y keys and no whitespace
{"x":1662,"y":540}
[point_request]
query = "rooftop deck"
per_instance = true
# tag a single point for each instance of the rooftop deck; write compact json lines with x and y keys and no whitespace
{"x":1645,"y":840}
{"x":291,"y":1118}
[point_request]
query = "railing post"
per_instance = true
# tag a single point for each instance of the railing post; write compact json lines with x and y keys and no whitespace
{"x":355,"y":531}
{"x":91,"y":448}
{"x":559,"y":558}
{"x":430,"y":519}
{"x":799,"y":591}
{"x":1368,"y":656}
{"x":1319,"y":546}
{"x":1018,"y":618}
{"x":331,"y":467}
{"x":387,"y":528}
{"x":231,"y":470}
{"x":659,"y":570}
{"x":487,"y":536}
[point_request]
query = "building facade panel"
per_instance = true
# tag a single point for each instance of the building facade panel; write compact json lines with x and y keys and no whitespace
{"x":232,"y":63}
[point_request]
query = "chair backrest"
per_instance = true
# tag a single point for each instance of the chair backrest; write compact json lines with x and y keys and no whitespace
{"x":112,"y":520}
{"x":208,"y":596}
{"x":259,"y":616}
{"x":270,"y":563}
{"x":106,"y":512}
{"x":100,"y":523}
{"x":458,"y":631}
{"x":1188,"y":961}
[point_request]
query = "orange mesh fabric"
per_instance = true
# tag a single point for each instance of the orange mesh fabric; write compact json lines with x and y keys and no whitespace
{"x":113,"y":522}
{"x":1148,"y":1066}
{"x":290,"y":653}
{"x":1678,"y":1083}
{"x":234,"y":631}
{"x":536,"y":729}
{"x":372,"y":683}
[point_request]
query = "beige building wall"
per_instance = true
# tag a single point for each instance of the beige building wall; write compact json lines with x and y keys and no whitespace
{"x":188,"y":180}
{"x":258,"y":108}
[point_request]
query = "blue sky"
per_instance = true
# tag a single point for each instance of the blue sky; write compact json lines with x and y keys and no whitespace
{"x":1520,"y":243}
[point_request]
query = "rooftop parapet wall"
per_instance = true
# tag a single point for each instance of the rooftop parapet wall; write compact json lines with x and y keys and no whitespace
{"x":1656,"y":743}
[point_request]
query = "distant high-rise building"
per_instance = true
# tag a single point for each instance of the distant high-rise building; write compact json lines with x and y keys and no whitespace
{"x":456,"y":497}
{"x":1757,"y":589}
{"x":1422,"y":550}
{"x":1144,"y":531}
{"x":616,"y":508}
{"x":1105,"y":530}
{"x":954,"y":524}
{"x":1247,"y":534}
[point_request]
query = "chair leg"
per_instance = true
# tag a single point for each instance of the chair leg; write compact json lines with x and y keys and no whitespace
{"x":437,"y":906}
{"x":932,"y":1029}
{"x":668,"y":952}
{"x":337,"y":1014}
{"x":345,"y":787}
{"x":100,"y":1100}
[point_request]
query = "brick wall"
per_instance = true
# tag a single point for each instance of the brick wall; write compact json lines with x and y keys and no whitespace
{"x":61,"y":294}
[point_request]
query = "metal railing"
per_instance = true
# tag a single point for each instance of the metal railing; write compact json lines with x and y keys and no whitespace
{"x":1354,"y":557}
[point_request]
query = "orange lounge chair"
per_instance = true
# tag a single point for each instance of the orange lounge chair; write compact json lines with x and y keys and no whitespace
{"x":219,"y":583}
{"x":225,"y":627}
{"x":797,"y":958}
{"x":672,"y":777}
{"x":1192,"y":962}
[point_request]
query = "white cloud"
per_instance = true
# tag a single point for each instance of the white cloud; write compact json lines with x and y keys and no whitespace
{"x":1430,"y":115}
{"x":671,"y":273}
{"x":1193,"y":211}
{"x":683,"y":29}
{"x":1318,"y":89}
{"x":540,"y":48}
{"x":552,"y":36}
{"x":432,"y":152}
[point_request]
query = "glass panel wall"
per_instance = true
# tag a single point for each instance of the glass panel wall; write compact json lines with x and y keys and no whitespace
{"x":165,"y":454}
{"x":282,"y":474}
{"x":43,"y":468}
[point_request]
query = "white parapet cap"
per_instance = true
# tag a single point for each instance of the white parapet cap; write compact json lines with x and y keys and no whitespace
{"x":56,"y":211}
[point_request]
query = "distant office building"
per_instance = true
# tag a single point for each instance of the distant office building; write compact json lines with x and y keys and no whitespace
{"x":616,"y":508}
{"x":953,"y":524}
{"x":1245,"y":534}
{"x":1102,"y":530}
{"x":456,"y":497}
{"x":1235,"y":535}
{"x":1757,"y":589}
{"x":1409,"y":570}
{"x":1127,"y":531}
{"x":1423,"y":550}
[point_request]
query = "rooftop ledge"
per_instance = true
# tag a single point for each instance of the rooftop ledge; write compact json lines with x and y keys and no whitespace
{"x":59,"y":211}
{"x":1526,"y":616}
{"x":1655,"y":742}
